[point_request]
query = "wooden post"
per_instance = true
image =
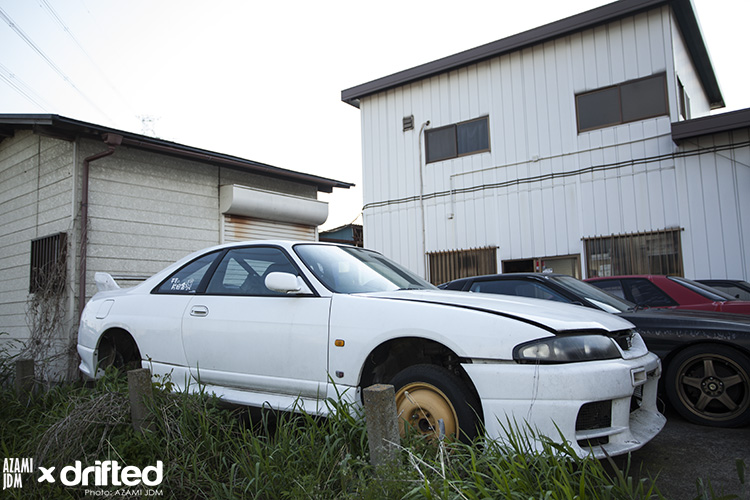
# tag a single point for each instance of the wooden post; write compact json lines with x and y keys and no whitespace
{"x":139,"y":389}
{"x":24,"y":379}
{"x":382,"y":424}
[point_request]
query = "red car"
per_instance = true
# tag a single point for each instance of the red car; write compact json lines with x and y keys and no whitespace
{"x":670,"y":291}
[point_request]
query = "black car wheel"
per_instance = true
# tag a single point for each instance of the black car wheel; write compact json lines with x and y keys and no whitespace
{"x":710,"y":385}
{"x":427,"y":394}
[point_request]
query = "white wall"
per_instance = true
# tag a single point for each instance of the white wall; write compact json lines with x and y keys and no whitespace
{"x":146,"y":210}
{"x":713,"y":191}
{"x":36,"y":200}
{"x":543,"y":186}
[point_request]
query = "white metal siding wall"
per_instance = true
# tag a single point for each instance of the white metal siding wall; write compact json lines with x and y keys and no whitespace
{"x":685,"y":70}
{"x":522,"y":203}
{"x":713,"y":191}
{"x":36,"y":180}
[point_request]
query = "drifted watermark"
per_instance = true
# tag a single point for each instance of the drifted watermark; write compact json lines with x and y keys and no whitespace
{"x":106,"y":473}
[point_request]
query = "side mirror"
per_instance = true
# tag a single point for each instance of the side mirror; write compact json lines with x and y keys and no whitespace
{"x":286,"y":283}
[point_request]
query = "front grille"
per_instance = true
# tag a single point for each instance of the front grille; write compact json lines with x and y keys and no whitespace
{"x":584,"y":443}
{"x":596,"y":415}
{"x":637,"y":399}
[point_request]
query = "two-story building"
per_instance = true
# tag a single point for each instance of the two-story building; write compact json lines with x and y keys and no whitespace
{"x":584,"y":146}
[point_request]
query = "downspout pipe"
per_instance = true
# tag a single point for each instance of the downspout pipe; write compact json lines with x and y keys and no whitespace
{"x":112,"y":141}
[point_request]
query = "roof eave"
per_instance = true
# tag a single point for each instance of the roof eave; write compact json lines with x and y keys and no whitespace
{"x":68,"y":128}
{"x":714,"y":124}
{"x":685,"y":15}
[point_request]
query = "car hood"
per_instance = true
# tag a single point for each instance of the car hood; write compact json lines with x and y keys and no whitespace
{"x":683,"y":319}
{"x":552,"y":316}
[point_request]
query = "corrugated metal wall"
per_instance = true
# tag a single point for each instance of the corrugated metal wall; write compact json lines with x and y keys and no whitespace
{"x":543,"y":186}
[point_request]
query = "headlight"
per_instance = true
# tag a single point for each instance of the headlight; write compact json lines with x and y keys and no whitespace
{"x":566,"y":349}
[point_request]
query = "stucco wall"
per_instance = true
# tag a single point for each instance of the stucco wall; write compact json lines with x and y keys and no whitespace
{"x":146,"y":210}
{"x":36,"y":200}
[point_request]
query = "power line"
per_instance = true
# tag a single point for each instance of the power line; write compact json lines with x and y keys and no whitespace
{"x":24,"y":89}
{"x":51,"y":11}
{"x":5,"y":17}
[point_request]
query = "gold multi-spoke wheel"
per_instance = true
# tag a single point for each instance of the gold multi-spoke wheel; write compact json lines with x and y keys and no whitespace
{"x":710,"y":385}
{"x":432,"y":401}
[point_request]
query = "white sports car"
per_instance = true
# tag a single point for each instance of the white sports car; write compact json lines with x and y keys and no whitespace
{"x":279,"y":323}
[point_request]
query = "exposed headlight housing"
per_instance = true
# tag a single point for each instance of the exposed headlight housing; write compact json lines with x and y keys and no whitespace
{"x":566,"y":349}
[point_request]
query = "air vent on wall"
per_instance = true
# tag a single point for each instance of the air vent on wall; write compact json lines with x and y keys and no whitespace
{"x":408,"y":122}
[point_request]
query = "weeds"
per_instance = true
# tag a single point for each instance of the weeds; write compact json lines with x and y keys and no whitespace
{"x":211,"y":451}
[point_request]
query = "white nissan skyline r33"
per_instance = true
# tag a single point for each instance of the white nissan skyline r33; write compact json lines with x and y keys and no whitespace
{"x":280,"y":323}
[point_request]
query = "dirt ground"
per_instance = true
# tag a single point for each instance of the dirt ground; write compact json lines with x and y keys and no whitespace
{"x":684,"y":452}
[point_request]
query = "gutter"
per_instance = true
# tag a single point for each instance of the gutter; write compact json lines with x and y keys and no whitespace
{"x":112,"y":141}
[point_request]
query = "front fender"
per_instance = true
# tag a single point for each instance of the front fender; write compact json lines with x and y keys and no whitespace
{"x":363,"y":323}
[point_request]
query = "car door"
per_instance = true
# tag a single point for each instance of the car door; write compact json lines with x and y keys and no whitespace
{"x":240,"y":334}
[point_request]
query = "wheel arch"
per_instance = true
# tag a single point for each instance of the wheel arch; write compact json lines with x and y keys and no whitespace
{"x":394,"y":355}
{"x":119,"y":347}
{"x":666,"y":360}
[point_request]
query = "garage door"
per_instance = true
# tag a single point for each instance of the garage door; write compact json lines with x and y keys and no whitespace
{"x":239,"y":228}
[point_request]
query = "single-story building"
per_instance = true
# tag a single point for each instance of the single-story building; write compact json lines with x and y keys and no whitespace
{"x":77,"y":198}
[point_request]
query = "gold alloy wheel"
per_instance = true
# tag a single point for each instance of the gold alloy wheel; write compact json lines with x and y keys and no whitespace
{"x":422,"y":406}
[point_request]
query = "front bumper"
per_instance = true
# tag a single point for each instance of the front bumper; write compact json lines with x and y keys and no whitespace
{"x":602,"y":407}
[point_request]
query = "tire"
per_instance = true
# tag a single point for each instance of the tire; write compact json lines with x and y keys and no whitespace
{"x":710,"y":385}
{"x":426,"y":394}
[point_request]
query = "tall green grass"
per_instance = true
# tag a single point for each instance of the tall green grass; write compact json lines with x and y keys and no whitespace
{"x":211,"y":451}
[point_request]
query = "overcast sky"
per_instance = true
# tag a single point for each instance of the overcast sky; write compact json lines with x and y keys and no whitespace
{"x":263,"y":80}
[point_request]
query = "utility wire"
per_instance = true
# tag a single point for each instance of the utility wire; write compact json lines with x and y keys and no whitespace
{"x":23,"y":88}
{"x":5,"y":17}
{"x":45,"y":4}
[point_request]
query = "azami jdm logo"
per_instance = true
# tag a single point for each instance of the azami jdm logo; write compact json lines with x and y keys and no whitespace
{"x":12,"y":470}
{"x":102,"y":473}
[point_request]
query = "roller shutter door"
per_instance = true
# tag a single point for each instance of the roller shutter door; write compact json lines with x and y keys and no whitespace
{"x":238,"y":228}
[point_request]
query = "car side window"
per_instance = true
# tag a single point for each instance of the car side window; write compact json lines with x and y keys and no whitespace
{"x":733,"y":290}
{"x":611,"y":286}
{"x":645,"y":293}
{"x":243,"y":271}
{"x":519,"y":288}
{"x":188,"y":278}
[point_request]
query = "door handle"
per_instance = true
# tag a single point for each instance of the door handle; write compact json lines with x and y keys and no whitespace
{"x":199,"y":311}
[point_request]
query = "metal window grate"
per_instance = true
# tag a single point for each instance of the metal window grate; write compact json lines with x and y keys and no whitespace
{"x":49,"y":264}
{"x":454,"y":264}
{"x":657,"y":252}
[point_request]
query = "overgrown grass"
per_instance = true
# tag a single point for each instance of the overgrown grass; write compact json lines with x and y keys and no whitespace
{"x":210,"y":451}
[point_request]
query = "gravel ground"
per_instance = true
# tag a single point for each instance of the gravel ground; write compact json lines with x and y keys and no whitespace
{"x":684,"y":452}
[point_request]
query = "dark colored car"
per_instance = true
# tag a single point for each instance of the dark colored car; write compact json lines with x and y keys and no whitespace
{"x":738,"y":289}
{"x":705,"y":355}
{"x":670,"y":291}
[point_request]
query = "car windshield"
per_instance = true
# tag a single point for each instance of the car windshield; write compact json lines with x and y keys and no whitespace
{"x":594,"y":295}
{"x":702,"y":290}
{"x":355,"y":270}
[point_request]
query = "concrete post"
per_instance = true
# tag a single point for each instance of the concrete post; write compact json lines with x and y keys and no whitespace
{"x":24,"y":379}
{"x":139,"y":389}
{"x":382,"y":424}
